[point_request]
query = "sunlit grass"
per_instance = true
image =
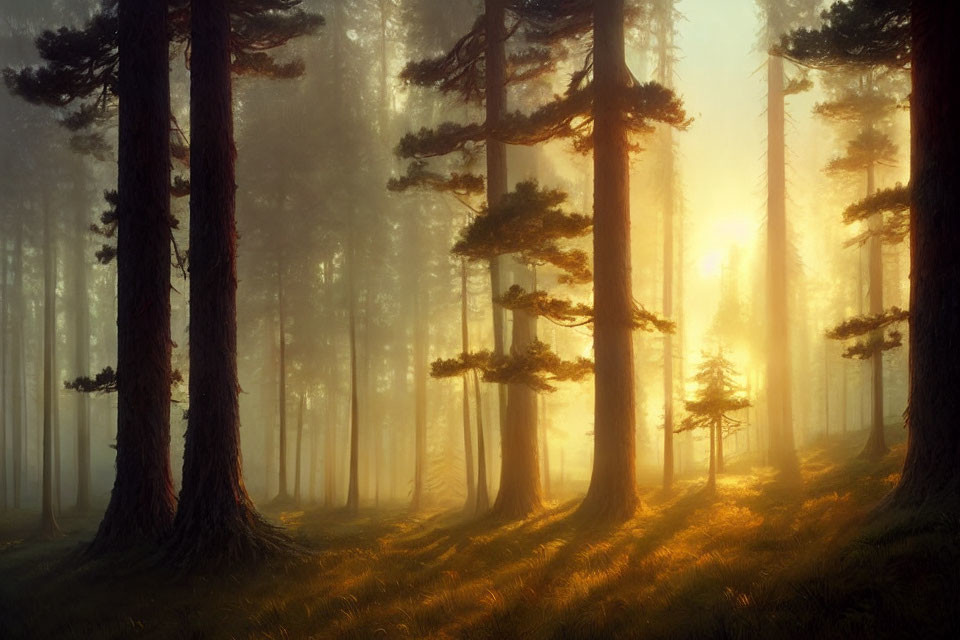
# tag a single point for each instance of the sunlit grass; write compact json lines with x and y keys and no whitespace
{"x":756,"y":558}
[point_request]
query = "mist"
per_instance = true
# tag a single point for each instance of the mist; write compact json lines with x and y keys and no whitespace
{"x":457,"y":296}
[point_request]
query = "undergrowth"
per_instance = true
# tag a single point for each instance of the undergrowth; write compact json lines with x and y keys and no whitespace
{"x":755,"y":559}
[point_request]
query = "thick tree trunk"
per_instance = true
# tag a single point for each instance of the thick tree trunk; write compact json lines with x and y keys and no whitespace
{"x":296,"y":466}
{"x":782,"y":452}
{"x":48,"y":519}
{"x":81,"y":346}
{"x":216,"y":523}
{"x":283,"y":494}
{"x":519,"y":493}
{"x":876,"y":446}
{"x":467,"y":436}
{"x":142,"y":502}
{"x":483,"y":496}
{"x":931,"y":471}
{"x":613,"y":491}
{"x":495,"y":77}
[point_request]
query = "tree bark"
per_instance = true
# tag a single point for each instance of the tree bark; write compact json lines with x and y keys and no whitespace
{"x":613,"y":491}
{"x":353,"y":486}
{"x":720,"y":449}
{"x":467,"y":436}
{"x":876,"y":446}
{"x":712,"y":473}
{"x":314,"y":451}
{"x":483,"y":496}
{"x":519,"y":493}
{"x":296,"y":466}
{"x":283,"y":494}
{"x":18,"y":390}
{"x":4,"y":352}
{"x":81,"y":346}
{"x":142,"y":501}
{"x":782,"y":452}
{"x":216,"y":523}
{"x":665,"y":67}
{"x":495,"y":93}
{"x":546,"y":446}
{"x":419,"y":397}
{"x":48,"y":519}
{"x":931,"y":471}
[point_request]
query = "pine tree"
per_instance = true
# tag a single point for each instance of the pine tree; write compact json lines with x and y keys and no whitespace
{"x":475,"y":71}
{"x":863,"y":99}
{"x":216,"y":521}
{"x":717,"y":395}
{"x":921,"y":34}
{"x":780,"y":16}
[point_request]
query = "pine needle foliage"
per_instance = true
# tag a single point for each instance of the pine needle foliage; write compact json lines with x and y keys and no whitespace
{"x":860,"y":33}
{"x":874,"y":333}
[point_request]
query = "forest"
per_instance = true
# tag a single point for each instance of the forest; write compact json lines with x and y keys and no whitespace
{"x":479,"y":319}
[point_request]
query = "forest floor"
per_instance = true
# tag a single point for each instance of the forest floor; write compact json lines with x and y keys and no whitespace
{"x":757,"y":559}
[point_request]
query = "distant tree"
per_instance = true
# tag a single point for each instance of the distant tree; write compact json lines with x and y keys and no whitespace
{"x":48,"y":520}
{"x":717,"y":395}
{"x":864,"y":97}
{"x":477,"y":71}
{"x":529,"y":224}
{"x":779,"y":17}
{"x":471,"y":364}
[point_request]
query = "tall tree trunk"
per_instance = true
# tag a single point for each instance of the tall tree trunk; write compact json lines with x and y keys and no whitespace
{"x":931,"y":471}
{"x":467,"y":437}
{"x":81,"y":346}
{"x":296,"y":466}
{"x":282,"y":492}
{"x":483,"y":497}
{"x":314,"y":451}
{"x":613,"y":491}
{"x":18,"y":390}
{"x":665,"y":73}
{"x":519,"y":493}
{"x":353,"y":486}
{"x":826,"y":389}
{"x":546,"y":446}
{"x":216,"y":522}
{"x":4,"y":352}
{"x":142,"y":501}
{"x":495,"y":93}
{"x":876,"y":445}
{"x":782,"y":452}
{"x":712,"y":473}
{"x":720,"y":449}
{"x":48,"y":519}
{"x":331,"y":393}
{"x":419,"y":397}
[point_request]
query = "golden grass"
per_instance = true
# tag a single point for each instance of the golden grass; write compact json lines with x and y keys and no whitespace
{"x":755,"y":559}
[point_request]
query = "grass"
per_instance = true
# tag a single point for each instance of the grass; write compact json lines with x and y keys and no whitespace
{"x":757,"y":559}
